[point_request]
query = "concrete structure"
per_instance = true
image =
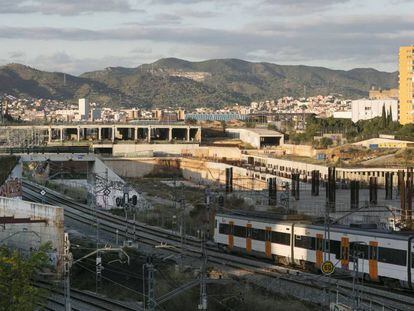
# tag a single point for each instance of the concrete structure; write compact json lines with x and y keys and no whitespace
{"x":116,"y":190}
{"x":406,"y":58}
{"x":96,"y":114}
{"x":284,"y":168}
{"x":84,"y":108}
{"x":26,"y":225}
{"x":257,"y":137}
{"x":181,"y":114}
{"x":385,"y":143}
{"x":365,"y":109}
{"x":105,"y":132}
{"x":383,"y":94}
{"x":216,"y":116}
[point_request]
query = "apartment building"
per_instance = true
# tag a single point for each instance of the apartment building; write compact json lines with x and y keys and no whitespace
{"x":406,"y":64}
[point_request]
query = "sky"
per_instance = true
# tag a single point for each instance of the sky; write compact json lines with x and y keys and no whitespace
{"x":77,"y":36}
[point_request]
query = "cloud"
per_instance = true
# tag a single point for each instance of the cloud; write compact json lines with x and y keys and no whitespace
{"x":197,"y":13}
{"x":63,"y":62}
{"x":64,"y":7}
{"x":141,"y":51}
{"x":339,"y":42}
{"x":17,"y":54}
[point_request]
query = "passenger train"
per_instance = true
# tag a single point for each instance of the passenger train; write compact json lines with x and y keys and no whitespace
{"x":385,"y":257}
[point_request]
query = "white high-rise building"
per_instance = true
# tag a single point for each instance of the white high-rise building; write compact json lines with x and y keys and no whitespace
{"x":84,"y":109}
{"x":365,"y":109}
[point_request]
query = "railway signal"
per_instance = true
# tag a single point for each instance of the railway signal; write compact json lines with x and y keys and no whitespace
{"x":327,"y":267}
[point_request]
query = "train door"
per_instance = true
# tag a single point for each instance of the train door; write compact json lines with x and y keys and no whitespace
{"x":268,"y":241}
{"x":231,"y":235}
{"x":319,"y":250}
{"x":373,"y":260}
{"x":248,"y":238}
{"x":345,"y":253}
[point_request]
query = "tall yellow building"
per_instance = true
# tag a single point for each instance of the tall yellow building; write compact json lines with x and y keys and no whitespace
{"x":406,"y":105}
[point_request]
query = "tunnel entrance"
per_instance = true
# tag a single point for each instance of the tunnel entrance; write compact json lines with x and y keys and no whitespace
{"x":269,"y":141}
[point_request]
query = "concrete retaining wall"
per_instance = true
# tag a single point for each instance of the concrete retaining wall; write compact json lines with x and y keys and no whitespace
{"x":156,"y":149}
{"x":117,"y":184}
{"x":30,"y":235}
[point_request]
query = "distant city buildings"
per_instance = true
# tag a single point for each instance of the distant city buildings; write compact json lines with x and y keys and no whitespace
{"x":406,"y":65}
{"x":383,"y":94}
{"x":83,"y":109}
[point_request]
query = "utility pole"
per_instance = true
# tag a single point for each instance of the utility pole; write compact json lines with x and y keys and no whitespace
{"x":148,"y":272}
{"x":203,"y":286}
{"x":67,"y":262}
{"x":182,"y":233}
{"x":356,"y":286}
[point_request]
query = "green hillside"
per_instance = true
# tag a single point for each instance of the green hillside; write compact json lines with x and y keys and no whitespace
{"x":176,"y":82}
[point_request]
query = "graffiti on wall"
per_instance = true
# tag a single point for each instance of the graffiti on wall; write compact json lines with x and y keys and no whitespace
{"x":12,"y":188}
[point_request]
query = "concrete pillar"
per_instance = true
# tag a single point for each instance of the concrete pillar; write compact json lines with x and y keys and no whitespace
{"x":50,"y":134}
{"x":198,"y":135}
{"x":78,"y":133}
{"x":170,"y":137}
{"x":188,"y":133}
{"x":61,"y":134}
{"x":113,"y":133}
{"x":99,"y":133}
{"x":149,"y":134}
{"x":136,"y":133}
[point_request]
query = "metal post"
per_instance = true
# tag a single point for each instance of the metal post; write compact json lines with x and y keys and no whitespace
{"x":229,"y":180}
{"x":66,"y":268}
{"x":203,"y":286}
{"x":182,"y":207}
{"x":149,"y":285}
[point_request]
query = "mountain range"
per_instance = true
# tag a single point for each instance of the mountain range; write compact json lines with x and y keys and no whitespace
{"x":175,"y":82}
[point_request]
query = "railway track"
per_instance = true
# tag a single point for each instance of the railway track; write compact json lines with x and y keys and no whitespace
{"x":150,"y":235}
{"x":80,"y":300}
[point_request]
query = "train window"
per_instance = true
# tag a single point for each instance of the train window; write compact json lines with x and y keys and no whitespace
{"x":305,"y":242}
{"x":335,"y":248}
{"x":224,"y":229}
{"x":215,"y":224}
{"x":392,"y":256}
{"x":240,"y":231}
{"x":258,"y":234}
{"x":359,"y":250}
{"x":280,"y":238}
{"x":412,"y":260}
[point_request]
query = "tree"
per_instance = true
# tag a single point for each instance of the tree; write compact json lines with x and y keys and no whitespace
{"x":17,"y":292}
{"x":384,"y":117}
{"x":325,"y":142}
{"x":389,"y":118}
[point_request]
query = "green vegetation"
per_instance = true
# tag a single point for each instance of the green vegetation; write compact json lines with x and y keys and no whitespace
{"x":79,"y":194}
{"x":226,"y":81}
{"x":17,"y":292}
{"x":361,"y":130}
{"x":7,"y":165}
{"x":325,"y":142}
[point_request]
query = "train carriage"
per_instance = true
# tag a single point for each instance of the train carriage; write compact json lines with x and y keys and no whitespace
{"x":382,"y":256}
